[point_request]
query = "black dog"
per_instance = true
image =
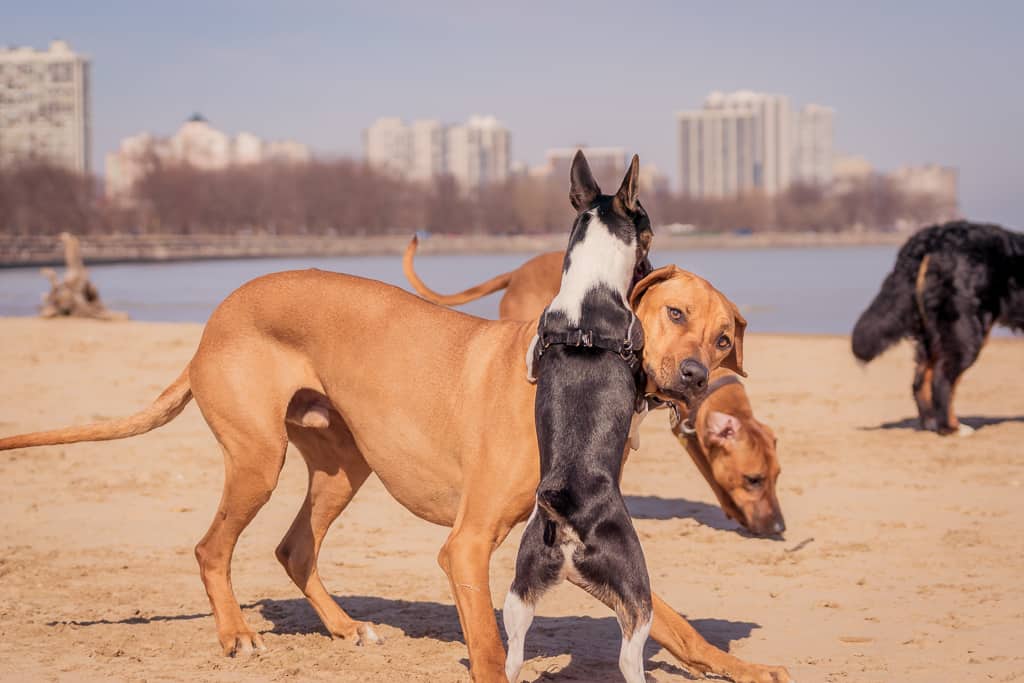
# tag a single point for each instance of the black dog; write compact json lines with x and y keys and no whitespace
{"x":951,"y":283}
{"x":585,"y":358}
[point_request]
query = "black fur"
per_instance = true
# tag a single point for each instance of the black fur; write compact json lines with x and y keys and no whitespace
{"x":586,"y":397}
{"x":974,"y":279}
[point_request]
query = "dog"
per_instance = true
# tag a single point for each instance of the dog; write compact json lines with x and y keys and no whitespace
{"x":528,"y":289}
{"x":358,"y":376}
{"x":950,"y":285}
{"x":588,"y":381}
{"x":735,"y":452}
{"x":741,"y":466}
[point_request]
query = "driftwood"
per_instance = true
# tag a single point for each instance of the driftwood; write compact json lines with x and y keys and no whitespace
{"x":75,"y":295}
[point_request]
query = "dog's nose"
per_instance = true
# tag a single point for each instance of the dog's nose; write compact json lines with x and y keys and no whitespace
{"x":695,"y":375}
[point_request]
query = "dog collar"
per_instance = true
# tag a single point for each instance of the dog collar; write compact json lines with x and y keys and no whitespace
{"x":687,"y":426}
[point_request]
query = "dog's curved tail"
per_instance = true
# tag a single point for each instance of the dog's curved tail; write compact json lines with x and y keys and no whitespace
{"x":893,"y":314}
{"x":165,"y":408}
{"x":472,"y":294}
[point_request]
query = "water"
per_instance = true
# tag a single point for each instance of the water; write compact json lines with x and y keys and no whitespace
{"x":786,"y":290}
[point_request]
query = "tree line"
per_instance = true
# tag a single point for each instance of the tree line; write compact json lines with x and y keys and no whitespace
{"x":347,"y":198}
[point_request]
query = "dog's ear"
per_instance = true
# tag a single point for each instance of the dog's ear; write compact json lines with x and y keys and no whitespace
{"x":720,"y":428}
{"x":626,"y":199}
{"x":583,"y":189}
{"x":734,"y":361}
{"x":653,"y":278}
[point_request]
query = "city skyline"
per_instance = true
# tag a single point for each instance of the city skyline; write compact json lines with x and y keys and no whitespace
{"x":281,"y":73}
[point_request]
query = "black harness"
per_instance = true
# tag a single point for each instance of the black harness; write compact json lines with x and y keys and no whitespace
{"x":625,"y":348}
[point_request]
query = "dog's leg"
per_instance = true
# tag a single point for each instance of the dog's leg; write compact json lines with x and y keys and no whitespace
{"x":677,"y":636}
{"x":948,"y":371}
{"x":336,"y":471}
{"x":538,"y":567}
{"x":923,"y":388}
{"x":252,"y":465}
{"x":465,"y":557}
{"x":615,"y":573}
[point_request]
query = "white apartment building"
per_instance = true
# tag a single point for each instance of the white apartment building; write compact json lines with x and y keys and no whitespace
{"x":428,"y":150}
{"x":772,"y":134}
{"x":746,"y":141}
{"x":44,"y":106}
{"x":812,"y":150}
{"x":475,"y":153}
{"x":478,"y":152}
{"x":717,"y":152}
{"x":388,"y":144}
{"x":196,"y":144}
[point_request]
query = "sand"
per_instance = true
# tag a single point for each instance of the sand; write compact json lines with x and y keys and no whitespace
{"x":903,"y":560}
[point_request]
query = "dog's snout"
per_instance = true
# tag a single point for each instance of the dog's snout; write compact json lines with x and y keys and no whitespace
{"x":694,"y":374}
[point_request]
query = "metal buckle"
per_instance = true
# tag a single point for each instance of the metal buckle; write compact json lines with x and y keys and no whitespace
{"x":587,"y":338}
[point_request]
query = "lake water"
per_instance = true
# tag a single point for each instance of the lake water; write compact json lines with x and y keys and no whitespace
{"x":798,"y":290}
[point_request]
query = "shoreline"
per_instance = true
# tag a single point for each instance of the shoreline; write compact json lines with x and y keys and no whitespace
{"x":37,"y":251}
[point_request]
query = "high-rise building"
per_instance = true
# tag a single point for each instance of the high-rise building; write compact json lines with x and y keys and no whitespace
{"x":478,"y":151}
{"x":812,"y":148}
{"x":427,"y":159}
{"x":197,"y":144}
{"x":717,"y":153}
{"x":44,"y":106}
{"x":738,"y":142}
{"x":388,"y":145}
{"x":475,"y":153}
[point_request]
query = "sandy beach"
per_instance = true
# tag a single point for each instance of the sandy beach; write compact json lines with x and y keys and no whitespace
{"x":902,"y":560}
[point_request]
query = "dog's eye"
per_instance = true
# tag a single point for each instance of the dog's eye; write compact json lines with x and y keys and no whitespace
{"x":675,"y":315}
{"x":724,"y":342}
{"x":753,"y":480}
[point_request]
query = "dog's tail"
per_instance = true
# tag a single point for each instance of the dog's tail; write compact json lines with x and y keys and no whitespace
{"x":164,"y":409}
{"x":894,"y":313}
{"x":472,"y":294}
{"x":557,"y":503}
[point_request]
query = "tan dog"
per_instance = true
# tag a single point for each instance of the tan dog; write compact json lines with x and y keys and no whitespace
{"x":365,"y":381}
{"x":528,"y":289}
{"x":735,"y":453}
{"x":741,"y":467}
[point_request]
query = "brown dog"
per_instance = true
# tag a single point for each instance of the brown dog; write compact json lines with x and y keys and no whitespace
{"x":363,"y":380}
{"x":735,"y":453}
{"x":741,"y":466}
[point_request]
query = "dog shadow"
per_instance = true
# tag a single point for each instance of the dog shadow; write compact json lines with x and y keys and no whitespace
{"x":592,"y":642}
{"x":656,"y":507}
{"x":975,"y":422}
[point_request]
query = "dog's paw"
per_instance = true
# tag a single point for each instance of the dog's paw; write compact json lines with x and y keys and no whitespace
{"x":242,"y":644}
{"x":964,"y":430}
{"x":366,"y":635}
{"x":770,"y":674}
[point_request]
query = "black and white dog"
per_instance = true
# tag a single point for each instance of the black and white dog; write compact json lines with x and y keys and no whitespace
{"x":586,"y":363}
{"x":950,"y":285}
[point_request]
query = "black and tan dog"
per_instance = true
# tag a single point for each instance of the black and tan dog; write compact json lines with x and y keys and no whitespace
{"x":950,"y":285}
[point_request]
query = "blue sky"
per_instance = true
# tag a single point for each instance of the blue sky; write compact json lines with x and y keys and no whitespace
{"x":912,"y":82}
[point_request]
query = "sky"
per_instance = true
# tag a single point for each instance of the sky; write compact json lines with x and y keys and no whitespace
{"x":911,"y":82}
